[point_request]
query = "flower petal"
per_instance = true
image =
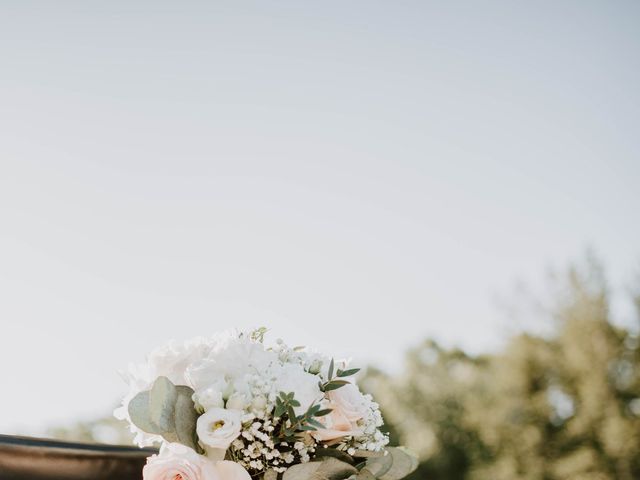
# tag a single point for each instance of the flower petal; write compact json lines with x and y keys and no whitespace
{"x":231,"y":471}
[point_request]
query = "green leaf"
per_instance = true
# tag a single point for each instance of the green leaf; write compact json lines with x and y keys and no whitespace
{"x":291,"y":413}
{"x":368,"y":454}
{"x":308,"y":428}
{"x":162,"y":398}
{"x":322,"y":413}
{"x":166,"y":410}
{"x":365,"y":475}
{"x":315,"y":423}
{"x":139,"y":413}
{"x":415,"y":461}
{"x":186,"y":417}
{"x":400,"y":463}
{"x":335,"y":453}
{"x":330,"y":370}
{"x":378,"y":466}
{"x":348,"y":373}
{"x":334,"y":385}
{"x":328,"y":469}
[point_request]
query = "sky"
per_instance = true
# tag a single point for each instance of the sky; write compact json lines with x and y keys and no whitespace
{"x":356,"y":176}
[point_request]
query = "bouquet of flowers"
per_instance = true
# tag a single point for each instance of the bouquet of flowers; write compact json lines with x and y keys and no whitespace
{"x":230,"y":407}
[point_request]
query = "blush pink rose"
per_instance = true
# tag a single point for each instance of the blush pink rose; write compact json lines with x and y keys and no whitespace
{"x":348,"y":407}
{"x":178,"y":462}
{"x":337,"y":425}
{"x":349,"y":401}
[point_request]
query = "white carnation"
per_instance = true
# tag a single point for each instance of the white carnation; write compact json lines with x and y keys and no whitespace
{"x":217,"y":428}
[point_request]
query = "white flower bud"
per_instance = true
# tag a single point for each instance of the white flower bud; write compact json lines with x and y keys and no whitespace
{"x":315,"y":366}
{"x":209,"y":398}
{"x":237,"y":401}
{"x":259,"y":403}
{"x":228,"y":391}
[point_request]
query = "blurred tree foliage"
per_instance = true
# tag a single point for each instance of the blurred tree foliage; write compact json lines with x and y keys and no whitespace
{"x":107,"y":430}
{"x":563,"y":406}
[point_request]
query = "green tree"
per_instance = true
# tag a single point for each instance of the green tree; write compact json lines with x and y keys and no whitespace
{"x":424,"y":407}
{"x":564,"y":406}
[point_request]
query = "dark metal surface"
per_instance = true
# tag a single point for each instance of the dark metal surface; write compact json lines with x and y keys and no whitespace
{"x":24,"y":458}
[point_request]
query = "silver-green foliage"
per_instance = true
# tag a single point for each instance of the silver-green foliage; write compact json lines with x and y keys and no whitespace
{"x":328,"y":469}
{"x":393,"y":464}
{"x":166,"y":410}
{"x":396,"y":464}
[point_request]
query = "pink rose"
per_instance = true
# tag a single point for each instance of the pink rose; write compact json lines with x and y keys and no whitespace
{"x":349,"y":401}
{"x":348,"y":406}
{"x":178,"y":462}
{"x":337,"y":425}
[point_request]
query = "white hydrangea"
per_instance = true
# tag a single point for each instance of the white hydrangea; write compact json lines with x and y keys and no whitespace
{"x":172,"y":361}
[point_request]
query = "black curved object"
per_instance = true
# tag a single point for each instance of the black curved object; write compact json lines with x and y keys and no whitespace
{"x":25,"y":458}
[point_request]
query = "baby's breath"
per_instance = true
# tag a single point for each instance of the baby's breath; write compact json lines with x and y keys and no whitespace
{"x":257,"y":450}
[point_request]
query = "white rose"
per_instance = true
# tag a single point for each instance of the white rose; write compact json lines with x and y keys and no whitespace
{"x":217,"y":428}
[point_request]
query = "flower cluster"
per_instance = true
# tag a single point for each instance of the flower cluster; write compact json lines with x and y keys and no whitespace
{"x":254,"y":406}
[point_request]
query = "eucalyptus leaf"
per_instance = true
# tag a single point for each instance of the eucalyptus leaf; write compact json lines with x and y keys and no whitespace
{"x":139,"y":413}
{"x":365,"y":475}
{"x":378,"y":466}
{"x":332,"y":452}
{"x":368,"y":454}
{"x":162,"y":398}
{"x":327,"y":469}
{"x":403,"y":463}
{"x":186,"y":417}
{"x":415,"y":462}
{"x":166,"y":410}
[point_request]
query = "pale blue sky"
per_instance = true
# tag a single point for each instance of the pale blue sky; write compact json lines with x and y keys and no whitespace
{"x":355,"y":175}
